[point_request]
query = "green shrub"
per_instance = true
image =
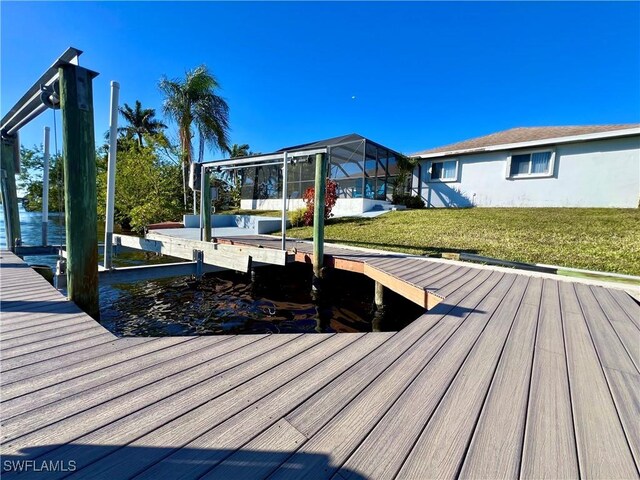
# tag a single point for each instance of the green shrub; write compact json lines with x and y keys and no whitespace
{"x":296,"y":217}
{"x":409,"y":201}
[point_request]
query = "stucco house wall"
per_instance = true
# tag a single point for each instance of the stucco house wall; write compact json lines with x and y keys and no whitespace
{"x":597,"y":173}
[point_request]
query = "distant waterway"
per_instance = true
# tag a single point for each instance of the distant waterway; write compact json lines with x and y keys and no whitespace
{"x":275,"y":300}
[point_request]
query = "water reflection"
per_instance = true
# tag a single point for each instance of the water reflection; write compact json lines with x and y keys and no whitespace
{"x":277,"y":301}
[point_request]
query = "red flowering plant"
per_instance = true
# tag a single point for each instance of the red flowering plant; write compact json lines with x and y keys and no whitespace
{"x":330,"y":197}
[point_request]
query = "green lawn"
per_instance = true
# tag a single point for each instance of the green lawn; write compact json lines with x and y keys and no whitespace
{"x":606,"y":240}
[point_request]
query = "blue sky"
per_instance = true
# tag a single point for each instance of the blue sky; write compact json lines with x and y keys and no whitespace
{"x":422,"y":74}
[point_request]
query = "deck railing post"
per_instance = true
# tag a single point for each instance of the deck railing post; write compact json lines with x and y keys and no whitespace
{"x":79,"y":160}
{"x":9,"y":191}
{"x":318,"y":219}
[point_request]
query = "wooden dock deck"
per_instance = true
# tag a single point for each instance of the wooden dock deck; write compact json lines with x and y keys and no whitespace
{"x":507,"y":376}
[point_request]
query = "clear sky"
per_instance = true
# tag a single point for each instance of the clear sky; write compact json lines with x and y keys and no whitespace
{"x":408,"y":75}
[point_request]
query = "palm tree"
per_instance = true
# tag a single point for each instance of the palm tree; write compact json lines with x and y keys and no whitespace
{"x":193,"y":102}
{"x":141,"y":122}
{"x":239,"y":150}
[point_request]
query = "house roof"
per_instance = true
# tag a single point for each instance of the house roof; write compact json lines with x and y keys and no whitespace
{"x":341,"y":140}
{"x":529,"y":136}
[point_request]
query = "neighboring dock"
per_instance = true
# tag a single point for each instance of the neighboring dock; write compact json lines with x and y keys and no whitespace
{"x":507,"y":375}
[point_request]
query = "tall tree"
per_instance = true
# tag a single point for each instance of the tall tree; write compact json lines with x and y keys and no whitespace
{"x":140,"y":121}
{"x":193,"y":102}
{"x":239,"y":150}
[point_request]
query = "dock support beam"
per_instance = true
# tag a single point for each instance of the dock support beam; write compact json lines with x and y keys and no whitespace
{"x":9,"y":191}
{"x":111,"y":175}
{"x":205,"y":204}
{"x":76,"y":97}
{"x":318,"y":219}
{"x":45,"y":189}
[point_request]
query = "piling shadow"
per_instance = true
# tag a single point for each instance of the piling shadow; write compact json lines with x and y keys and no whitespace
{"x":457,"y":310}
{"x":41,"y":306}
{"x":72,"y":460}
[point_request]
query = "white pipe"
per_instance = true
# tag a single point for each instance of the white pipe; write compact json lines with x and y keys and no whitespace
{"x":111,"y":175}
{"x":202,"y":209}
{"x":45,"y":188}
{"x":284,"y":201}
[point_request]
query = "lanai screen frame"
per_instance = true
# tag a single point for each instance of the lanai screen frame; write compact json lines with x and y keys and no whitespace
{"x":279,"y":159}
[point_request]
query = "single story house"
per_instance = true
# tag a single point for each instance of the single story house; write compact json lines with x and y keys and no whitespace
{"x":364,"y":170}
{"x":570,"y":166}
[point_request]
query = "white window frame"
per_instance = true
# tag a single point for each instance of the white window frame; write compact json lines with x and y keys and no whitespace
{"x":552,"y":162}
{"x":442,"y":180}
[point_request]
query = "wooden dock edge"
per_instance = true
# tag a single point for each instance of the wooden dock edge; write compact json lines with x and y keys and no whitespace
{"x":416,"y":294}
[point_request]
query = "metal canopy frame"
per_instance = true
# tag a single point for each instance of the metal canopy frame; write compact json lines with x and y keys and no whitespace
{"x":30,"y":105}
{"x":280,"y":158}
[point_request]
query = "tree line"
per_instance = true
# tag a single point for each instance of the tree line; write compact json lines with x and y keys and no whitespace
{"x":152,"y":170}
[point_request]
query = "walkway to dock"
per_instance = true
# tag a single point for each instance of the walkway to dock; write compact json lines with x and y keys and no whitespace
{"x":509,"y":375}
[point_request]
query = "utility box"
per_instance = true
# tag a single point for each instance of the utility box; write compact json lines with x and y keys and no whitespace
{"x":214,"y":193}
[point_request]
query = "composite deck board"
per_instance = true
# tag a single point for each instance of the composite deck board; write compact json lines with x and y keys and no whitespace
{"x":627,"y":304}
{"x":487,"y":367}
{"x":46,"y":355}
{"x":454,"y":417}
{"x":201,"y":420}
{"x":195,"y":410}
{"x":119,"y":416}
{"x":35,"y":376}
{"x":618,"y":368}
{"x":314,"y":413}
{"x":549,"y":448}
{"x":63,"y":362}
{"x":35,"y":317}
{"x":428,"y":274}
{"x":206,"y":451}
{"x":496,"y":446}
{"x":66,"y":400}
{"x":51,"y":387}
{"x":402,"y":424}
{"x":626,"y":330}
{"x":10,"y":345}
{"x":343,"y":434}
{"x":85,"y":332}
{"x":603,"y":450}
{"x":45,"y":327}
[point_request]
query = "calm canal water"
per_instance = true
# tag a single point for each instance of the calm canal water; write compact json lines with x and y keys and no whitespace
{"x":277,"y":300}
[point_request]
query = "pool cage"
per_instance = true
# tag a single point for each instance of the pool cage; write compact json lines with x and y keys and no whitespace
{"x":361,"y":168}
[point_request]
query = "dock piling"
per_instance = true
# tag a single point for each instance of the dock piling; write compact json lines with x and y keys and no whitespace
{"x":9,"y":191}
{"x":379,"y":295}
{"x":318,"y":220}
{"x":80,"y":187}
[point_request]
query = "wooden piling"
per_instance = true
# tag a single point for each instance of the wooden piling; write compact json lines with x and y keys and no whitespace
{"x":318,"y":219}
{"x":379,"y":295}
{"x":9,"y":192}
{"x":76,"y":98}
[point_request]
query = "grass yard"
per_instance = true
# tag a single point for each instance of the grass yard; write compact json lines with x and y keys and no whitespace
{"x":606,"y":240}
